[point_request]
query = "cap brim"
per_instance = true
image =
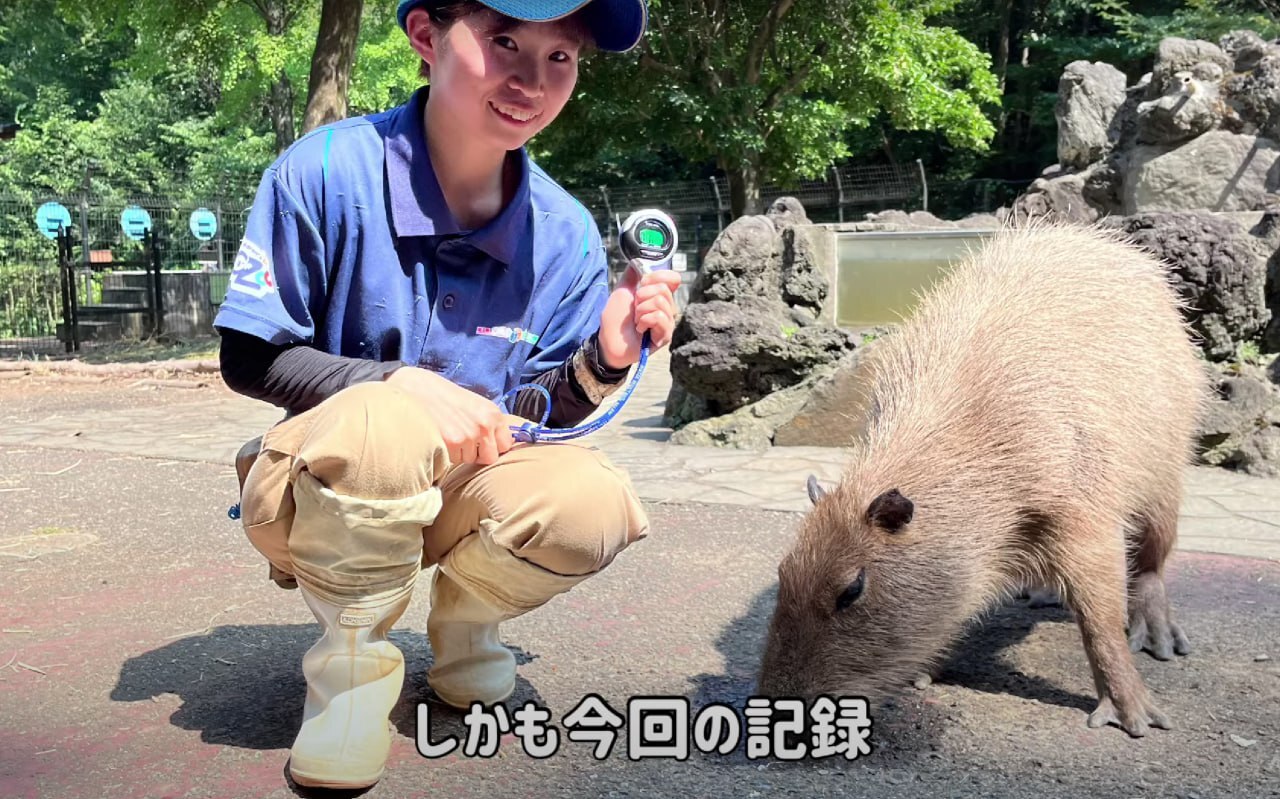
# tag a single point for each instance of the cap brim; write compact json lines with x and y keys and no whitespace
{"x":616,"y":25}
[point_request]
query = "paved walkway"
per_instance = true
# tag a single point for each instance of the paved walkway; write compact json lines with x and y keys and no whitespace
{"x":144,"y":653}
{"x":1224,"y":512}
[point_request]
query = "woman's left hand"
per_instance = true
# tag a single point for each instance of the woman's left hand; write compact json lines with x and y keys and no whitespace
{"x":638,"y":305}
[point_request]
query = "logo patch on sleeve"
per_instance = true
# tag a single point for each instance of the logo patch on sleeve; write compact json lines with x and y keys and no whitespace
{"x":252,"y":273}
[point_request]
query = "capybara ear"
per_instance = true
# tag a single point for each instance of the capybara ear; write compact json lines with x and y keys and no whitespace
{"x":890,"y":511}
{"x":815,"y":491}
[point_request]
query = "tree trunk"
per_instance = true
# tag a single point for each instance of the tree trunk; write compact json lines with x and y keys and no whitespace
{"x":331,"y":63}
{"x":1002,"y":42}
{"x":280,"y":106}
{"x":1002,"y":64}
{"x":275,"y":13}
{"x":744,"y":188}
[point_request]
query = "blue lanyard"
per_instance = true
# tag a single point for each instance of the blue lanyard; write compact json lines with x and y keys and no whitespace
{"x":531,"y":433}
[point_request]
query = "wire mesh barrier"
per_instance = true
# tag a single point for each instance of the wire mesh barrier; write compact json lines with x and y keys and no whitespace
{"x":76,"y":271}
{"x":703,"y":206}
{"x":192,"y":238}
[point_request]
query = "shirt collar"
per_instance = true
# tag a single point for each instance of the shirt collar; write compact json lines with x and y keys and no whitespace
{"x":418,"y":207}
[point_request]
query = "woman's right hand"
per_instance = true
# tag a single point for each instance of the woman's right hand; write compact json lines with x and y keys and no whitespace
{"x":474,"y":429}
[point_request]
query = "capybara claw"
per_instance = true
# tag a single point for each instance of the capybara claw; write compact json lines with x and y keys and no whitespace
{"x":1162,"y":643}
{"x":1103,"y":714}
{"x":1136,"y":723}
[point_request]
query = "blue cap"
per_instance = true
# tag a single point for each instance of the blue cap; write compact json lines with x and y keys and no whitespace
{"x":616,"y":25}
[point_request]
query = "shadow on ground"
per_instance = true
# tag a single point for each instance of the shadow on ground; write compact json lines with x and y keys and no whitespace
{"x":903,"y":726}
{"x":1011,"y":700}
{"x":258,"y":704}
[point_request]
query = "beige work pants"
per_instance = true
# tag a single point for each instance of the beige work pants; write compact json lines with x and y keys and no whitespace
{"x":370,"y":470}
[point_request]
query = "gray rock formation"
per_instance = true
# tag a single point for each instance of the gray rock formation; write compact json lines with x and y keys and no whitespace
{"x":1058,"y":196}
{"x":1271,"y":336}
{"x":1205,"y":60}
{"x":752,"y":328}
{"x":833,"y":411}
{"x":1089,"y":95}
{"x":1220,"y":270}
{"x":1267,"y":232}
{"x":1188,"y":108}
{"x":1245,"y":49}
{"x":1217,"y":171}
{"x":1199,"y":132}
{"x":754,"y":426}
{"x":1242,"y":427}
{"x":742,"y":261}
{"x":1254,"y":96}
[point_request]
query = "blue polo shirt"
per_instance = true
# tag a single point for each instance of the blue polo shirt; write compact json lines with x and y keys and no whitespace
{"x":351,"y":248}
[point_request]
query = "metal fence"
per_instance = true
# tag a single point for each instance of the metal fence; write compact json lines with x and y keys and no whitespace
{"x":31,"y":320}
{"x":701,"y":208}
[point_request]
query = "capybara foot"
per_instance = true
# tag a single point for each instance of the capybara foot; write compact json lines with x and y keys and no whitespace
{"x":1150,"y":627}
{"x":1042,"y":598}
{"x":1134,"y":720}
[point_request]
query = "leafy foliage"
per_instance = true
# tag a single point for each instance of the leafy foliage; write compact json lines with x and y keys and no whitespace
{"x":152,"y":96}
{"x":773,"y":86}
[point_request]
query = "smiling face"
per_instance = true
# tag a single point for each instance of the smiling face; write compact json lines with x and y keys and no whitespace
{"x":498,"y":80}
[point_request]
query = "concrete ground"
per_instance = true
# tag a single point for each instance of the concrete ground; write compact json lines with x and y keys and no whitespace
{"x":144,"y":654}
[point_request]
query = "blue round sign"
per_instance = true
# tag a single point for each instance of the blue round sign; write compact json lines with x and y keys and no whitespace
{"x":204,"y":225}
{"x":135,"y":222}
{"x":51,"y":217}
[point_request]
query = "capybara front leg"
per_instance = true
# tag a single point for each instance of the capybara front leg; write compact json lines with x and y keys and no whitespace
{"x":1151,"y":624}
{"x":1093,"y":572}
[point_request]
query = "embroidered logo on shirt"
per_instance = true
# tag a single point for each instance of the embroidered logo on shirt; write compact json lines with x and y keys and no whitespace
{"x":512,"y":334}
{"x":252,"y":271}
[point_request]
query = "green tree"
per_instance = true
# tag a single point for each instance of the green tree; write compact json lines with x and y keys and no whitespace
{"x":331,"y":62}
{"x":385,"y":70}
{"x":767,"y":89}
{"x":1143,"y":28}
{"x":250,"y":53}
{"x":39,"y":50}
{"x":1040,"y":37}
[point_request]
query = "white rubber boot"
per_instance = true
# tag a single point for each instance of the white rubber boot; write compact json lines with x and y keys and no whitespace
{"x":354,"y":676}
{"x":477,"y":585}
{"x":470,"y":664}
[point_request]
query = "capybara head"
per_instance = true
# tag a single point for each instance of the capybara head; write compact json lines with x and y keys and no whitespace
{"x":866,"y":601}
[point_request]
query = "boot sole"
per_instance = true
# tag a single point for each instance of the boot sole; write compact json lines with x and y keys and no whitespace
{"x":467,"y":704}
{"x":346,"y":783}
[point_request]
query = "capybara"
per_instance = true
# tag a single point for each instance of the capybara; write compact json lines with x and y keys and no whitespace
{"x":1028,"y":425}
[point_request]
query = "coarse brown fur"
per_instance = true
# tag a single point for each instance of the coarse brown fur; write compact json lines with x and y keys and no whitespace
{"x":1036,"y":412}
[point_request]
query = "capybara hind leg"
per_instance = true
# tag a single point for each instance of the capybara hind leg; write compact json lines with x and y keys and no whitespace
{"x":1151,"y":624}
{"x":1093,"y":573}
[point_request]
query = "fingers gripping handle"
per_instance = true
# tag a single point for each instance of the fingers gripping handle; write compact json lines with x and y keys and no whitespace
{"x":649,"y":240}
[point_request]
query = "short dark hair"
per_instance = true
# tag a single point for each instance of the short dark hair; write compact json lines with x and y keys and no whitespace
{"x":444,"y":13}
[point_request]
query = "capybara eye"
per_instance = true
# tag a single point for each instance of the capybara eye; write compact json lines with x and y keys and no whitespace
{"x":851,"y":594}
